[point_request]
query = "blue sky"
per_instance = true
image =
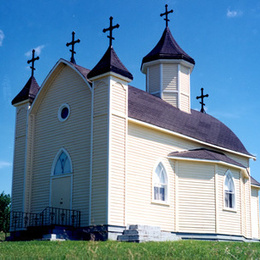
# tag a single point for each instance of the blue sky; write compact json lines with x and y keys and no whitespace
{"x":222,"y":36}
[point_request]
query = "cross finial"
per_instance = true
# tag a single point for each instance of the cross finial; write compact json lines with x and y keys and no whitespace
{"x":32,"y":61}
{"x":72,"y":43}
{"x":110,"y":29}
{"x":202,"y":102}
{"x":166,"y":14}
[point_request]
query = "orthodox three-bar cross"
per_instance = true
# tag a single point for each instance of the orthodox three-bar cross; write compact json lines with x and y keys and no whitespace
{"x":110,"y":29}
{"x":202,"y":100}
{"x":166,"y":14}
{"x":32,"y":61}
{"x":72,"y":43}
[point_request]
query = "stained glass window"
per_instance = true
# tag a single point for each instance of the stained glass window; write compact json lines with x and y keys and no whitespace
{"x":63,"y":164}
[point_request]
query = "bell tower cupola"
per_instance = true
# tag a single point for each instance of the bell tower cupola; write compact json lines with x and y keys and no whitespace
{"x":168,"y":68}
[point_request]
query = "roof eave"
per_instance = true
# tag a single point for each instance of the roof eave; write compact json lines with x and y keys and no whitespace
{"x":166,"y":61}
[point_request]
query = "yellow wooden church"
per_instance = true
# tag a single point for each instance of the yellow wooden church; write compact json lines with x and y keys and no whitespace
{"x":97,"y":157}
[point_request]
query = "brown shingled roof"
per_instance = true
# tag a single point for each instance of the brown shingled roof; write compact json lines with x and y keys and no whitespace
{"x":167,"y":48}
{"x":110,"y":63}
{"x":29,"y":91}
{"x":153,"y":110}
{"x":205,"y":154}
{"x":254,"y":182}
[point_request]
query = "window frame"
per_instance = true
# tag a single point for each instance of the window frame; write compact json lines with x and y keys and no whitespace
{"x":65,"y":105}
{"x":166,"y":184}
{"x":233,"y":209}
{"x":62,"y":150}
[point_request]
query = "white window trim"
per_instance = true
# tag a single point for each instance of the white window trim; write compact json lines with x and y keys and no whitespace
{"x":228,"y":172}
{"x":160,"y":202}
{"x":62,"y":150}
{"x":59,"y":112}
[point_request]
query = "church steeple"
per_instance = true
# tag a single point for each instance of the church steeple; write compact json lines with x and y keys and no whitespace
{"x":31,"y":88}
{"x":110,"y":61}
{"x":167,"y":68}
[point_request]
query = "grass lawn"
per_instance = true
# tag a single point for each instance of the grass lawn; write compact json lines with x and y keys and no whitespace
{"x":121,"y":250}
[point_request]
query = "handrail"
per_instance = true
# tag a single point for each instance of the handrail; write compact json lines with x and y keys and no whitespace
{"x":49,"y":216}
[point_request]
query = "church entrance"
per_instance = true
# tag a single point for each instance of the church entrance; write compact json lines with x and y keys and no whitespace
{"x":61,"y":192}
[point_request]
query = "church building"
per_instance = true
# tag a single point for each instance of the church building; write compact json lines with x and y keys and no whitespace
{"x":94,"y":154}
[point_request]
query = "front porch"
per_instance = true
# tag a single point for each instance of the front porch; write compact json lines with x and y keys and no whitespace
{"x":28,"y":226}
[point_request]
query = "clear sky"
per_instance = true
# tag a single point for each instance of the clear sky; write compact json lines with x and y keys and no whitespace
{"x":222,"y":36}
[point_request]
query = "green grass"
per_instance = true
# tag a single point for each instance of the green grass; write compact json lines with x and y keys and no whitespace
{"x":118,"y":250}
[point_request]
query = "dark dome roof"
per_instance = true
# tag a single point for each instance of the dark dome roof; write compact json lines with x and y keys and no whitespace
{"x":150,"y":109}
{"x":167,"y":48}
{"x":110,"y":62}
{"x":29,"y":91}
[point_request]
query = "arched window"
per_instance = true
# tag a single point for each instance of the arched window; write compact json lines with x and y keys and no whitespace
{"x":62,"y":163}
{"x":160,"y":184}
{"x":229,"y":191}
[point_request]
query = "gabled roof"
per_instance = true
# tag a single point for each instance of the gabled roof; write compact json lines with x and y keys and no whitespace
{"x":110,"y":63}
{"x":203,"y":127}
{"x":167,"y":48}
{"x":205,"y":154}
{"x":83,"y":71}
{"x":29,"y":91}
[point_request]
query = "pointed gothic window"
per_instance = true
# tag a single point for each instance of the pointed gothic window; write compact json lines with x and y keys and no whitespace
{"x":160,"y":184}
{"x":229,"y":191}
{"x":62,"y":163}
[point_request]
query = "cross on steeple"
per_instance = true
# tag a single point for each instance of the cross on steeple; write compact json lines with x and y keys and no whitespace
{"x":166,"y":14}
{"x":32,"y":61}
{"x":72,"y":43}
{"x":202,"y":100}
{"x":110,"y":29}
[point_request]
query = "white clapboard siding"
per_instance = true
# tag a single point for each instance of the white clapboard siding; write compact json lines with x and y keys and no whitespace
{"x":19,"y":158}
{"x":230,"y":221}
{"x":171,"y":97}
{"x":50,"y":135}
{"x":185,"y":80}
{"x":99,"y":198}
{"x":145,"y":149}
{"x":248,"y":208}
{"x":154,"y":79}
{"x":196,"y":193}
{"x":29,"y":167}
{"x":170,"y":77}
{"x":185,"y":103}
{"x":117,"y":155}
{"x":255,"y":212}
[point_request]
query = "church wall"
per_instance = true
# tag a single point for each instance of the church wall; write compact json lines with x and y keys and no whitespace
{"x":184,"y":82}
{"x":255,"y":212}
{"x":229,"y":221}
{"x":118,"y":113}
{"x":145,"y":148}
{"x":248,"y":207}
{"x":99,"y":200}
{"x":154,"y":79}
{"x":170,"y":77}
{"x":73,"y":135}
{"x":196,"y":203}
{"x":19,"y":158}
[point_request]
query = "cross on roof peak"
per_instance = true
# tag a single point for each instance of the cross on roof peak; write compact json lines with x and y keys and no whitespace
{"x":166,"y":14}
{"x":72,"y":43}
{"x":32,"y":61}
{"x":110,"y":29}
{"x":202,"y":96}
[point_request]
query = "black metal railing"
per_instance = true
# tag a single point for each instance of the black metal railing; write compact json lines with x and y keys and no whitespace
{"x":49,"y":216}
